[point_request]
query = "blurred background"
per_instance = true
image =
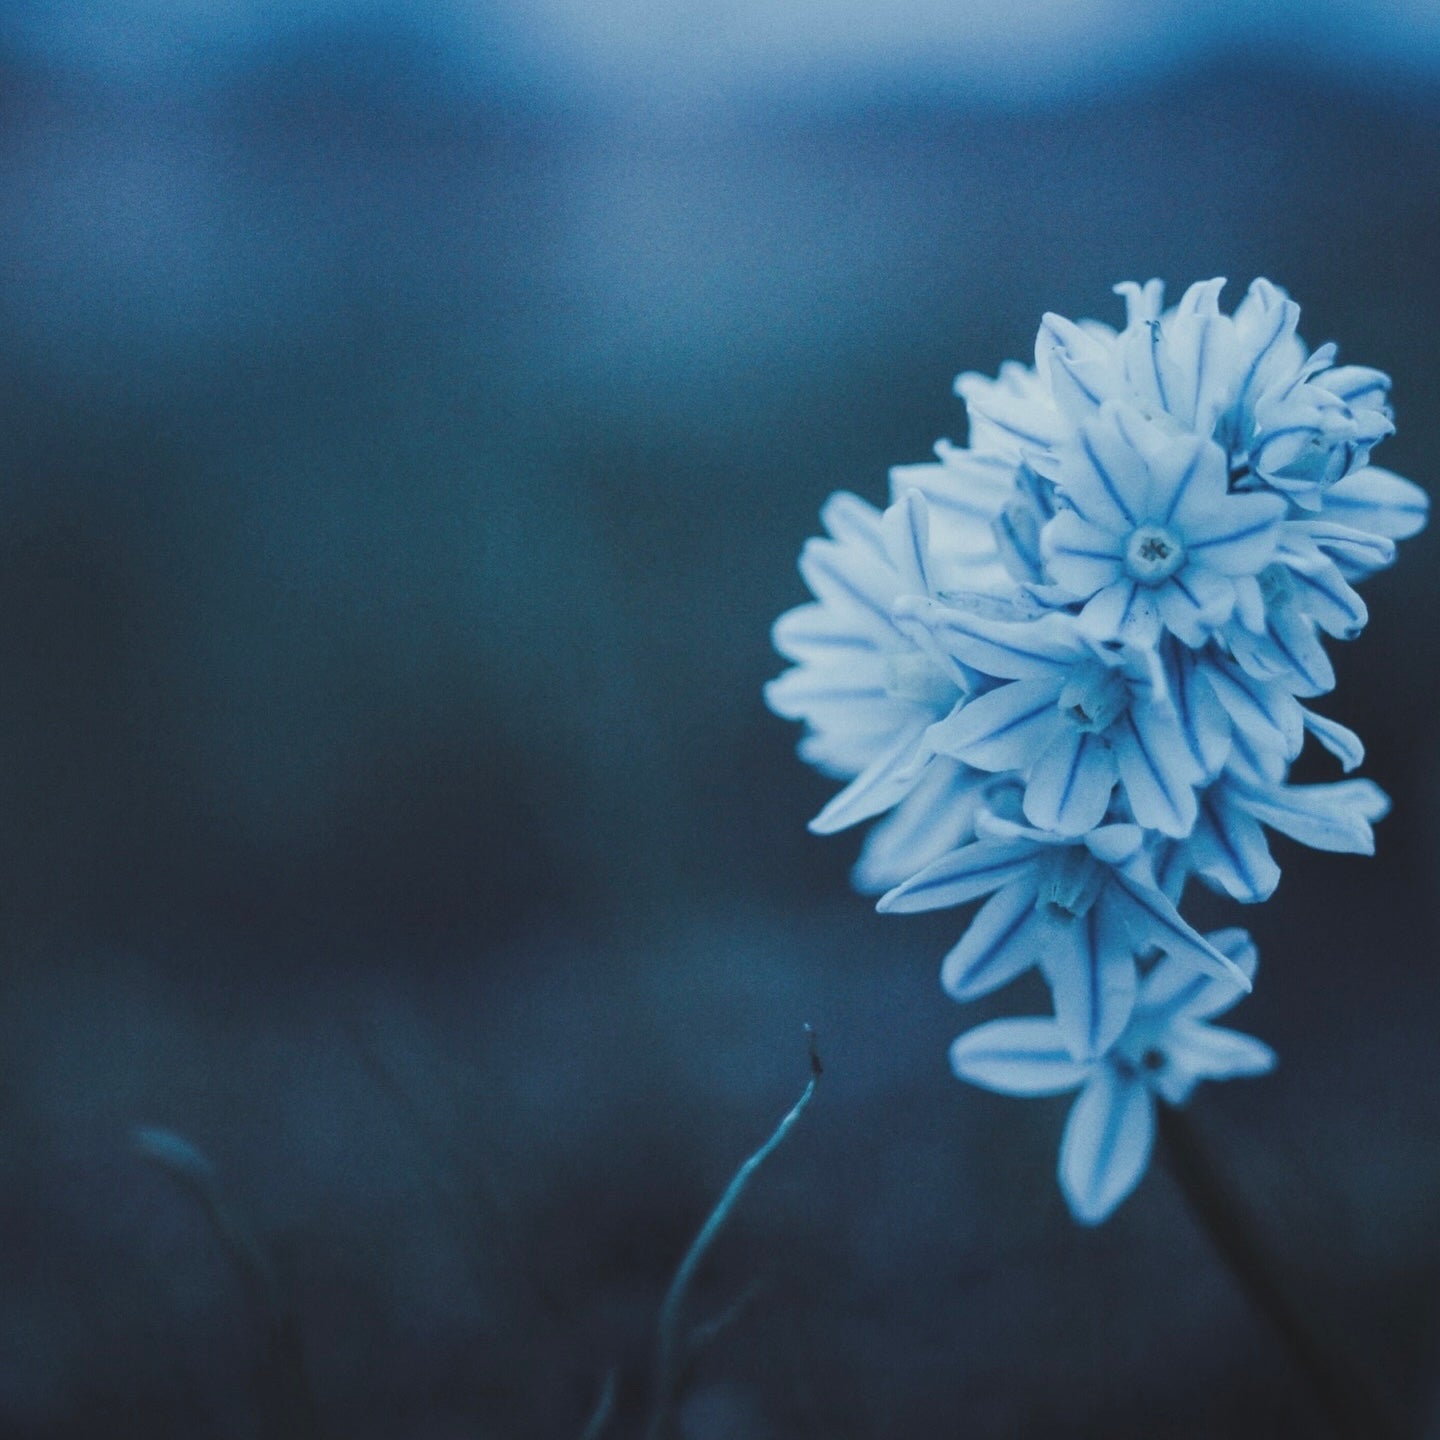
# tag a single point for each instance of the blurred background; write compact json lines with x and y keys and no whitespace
{"x":411,"y":415}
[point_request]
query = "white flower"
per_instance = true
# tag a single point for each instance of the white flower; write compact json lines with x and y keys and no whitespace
{"x":1165,"y":1051}
{"x":869,"y":690}
{"x":1066,"y":666}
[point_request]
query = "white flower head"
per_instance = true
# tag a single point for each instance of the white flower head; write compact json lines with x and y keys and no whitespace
{"x":1066,"y":667}
{"x":1167,"y":1048}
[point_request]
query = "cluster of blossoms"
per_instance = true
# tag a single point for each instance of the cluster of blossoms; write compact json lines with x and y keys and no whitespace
{"x":1067,"y":665}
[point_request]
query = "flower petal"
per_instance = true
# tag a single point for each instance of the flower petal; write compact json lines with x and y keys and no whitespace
{"x":1004,"y":728}
{"x":1006,"y":937}
{"x":1334,"y":817}
{"x":1378,"y":501}
{"x":1123,"y":611}
{"x":1017,"y":1057}
{"x":1070,"y":784}
{"x":1107,"y":1144}
{"x":1081,"y":556}
{"x":938,"y":815}
{"x":1156,"y":769}
{"x":1228,"y":848}
{"x":962,"y":875}
{"x":875,"y":789}
{"x":1152,"y":920}
{"x":1174,"y":988}
{"x":1340,"y":740}
{"x":1237,"y":536}
{"x":1091,"y":972}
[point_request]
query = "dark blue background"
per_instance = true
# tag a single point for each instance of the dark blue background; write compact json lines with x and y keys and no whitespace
{"x":405,"y":450}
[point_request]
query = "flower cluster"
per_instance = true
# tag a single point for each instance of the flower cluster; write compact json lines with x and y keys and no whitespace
{"x":1066,"y":664}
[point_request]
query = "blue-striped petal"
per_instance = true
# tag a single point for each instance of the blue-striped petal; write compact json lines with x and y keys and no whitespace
{"x":1236,"y":536}
{"x":1156,"y":769}
{"x":1336,"y":817}
{"x":1081,"y":556}
{"x":1228,"y":849}
{"x":1151,"y":919}
{"x":1123,"y":611}
{"x":1091,"y":971}
{"x":937,"y":816}
{"x":1379,"y":501}
{"x":1017,"y":1057}
{"x":1003,"y":729}
{"x":964,"y":874}
{"x":1107,"y":1144}
{"x":1005,"y":649}
{"x":883,"y":783}
{"x":1006,"y":937}
{"x":1173,"y":988}
{"x":1070,"y":784}
{"x":1340,"y":740}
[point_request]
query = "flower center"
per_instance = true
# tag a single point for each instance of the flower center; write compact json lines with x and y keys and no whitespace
{"x":1094,"y":698}
{"x":1153,"y":555}
{"x":1072,"y":884}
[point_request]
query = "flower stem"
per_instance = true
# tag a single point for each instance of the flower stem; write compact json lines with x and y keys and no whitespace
{"x":669,"y":1345}
{"x":1353,"y":1411}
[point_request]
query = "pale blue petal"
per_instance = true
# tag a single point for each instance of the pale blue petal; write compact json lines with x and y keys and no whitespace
{"x":1203,"y":720}
{"x":1091,"y":971}
{"x":1006,"y":937}
{"x":1151,"y":919}
{"x":879,"y":786}
{"x":1156,"y":769}
{"x":1123,"y":611}
{"x":1323,"y":594}
{"x":1080,"y":370}
{"x":1238,"y":535}
{"x":1194,"y":602}
{"x":1333,"y":817}
{"x":1268,"y":715}
{"x":937,"y":816}
{"x":1115,"y":844}
{"x":1017,"y":1057}
{"x":1378,"y":501}
{"x":1196,"y":1051}
{"x":1081,"y":556}
{"x":795,"y":693}
{"x":1005,"y":649}
{"x":852,"y":581}
{"x":1356,"y":553}
{"x":1070,"y":784}
{"x":1289,"y":650}
{"x":905,"y":530}
{"x":962,"y":875}
{"x":1190,"y":479}
{"x":813,"y":633}
{"x":1011,"y":410}
{"x":1340,"y":740}
{"x":1005,"y":728}
{"x":1107,"y":1144}
{"x":1173,"y":988}
{"x":1228,"y":849}
{"x":1105,"y":478}
{"x":853,"y":522}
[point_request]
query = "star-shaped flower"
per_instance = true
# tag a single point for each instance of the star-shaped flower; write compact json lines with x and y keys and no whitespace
{"x":1153,"y":538}
{"x":1167,"y":1048}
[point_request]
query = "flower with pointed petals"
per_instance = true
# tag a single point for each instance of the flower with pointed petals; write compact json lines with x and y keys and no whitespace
{"x":1082,"y":911}
{"x":869,"y":690}
{"x":1151,"y":536}
{"x":1065,"y":670}
{"x":1166,"y":1049}
{"x":1070,"y":717}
